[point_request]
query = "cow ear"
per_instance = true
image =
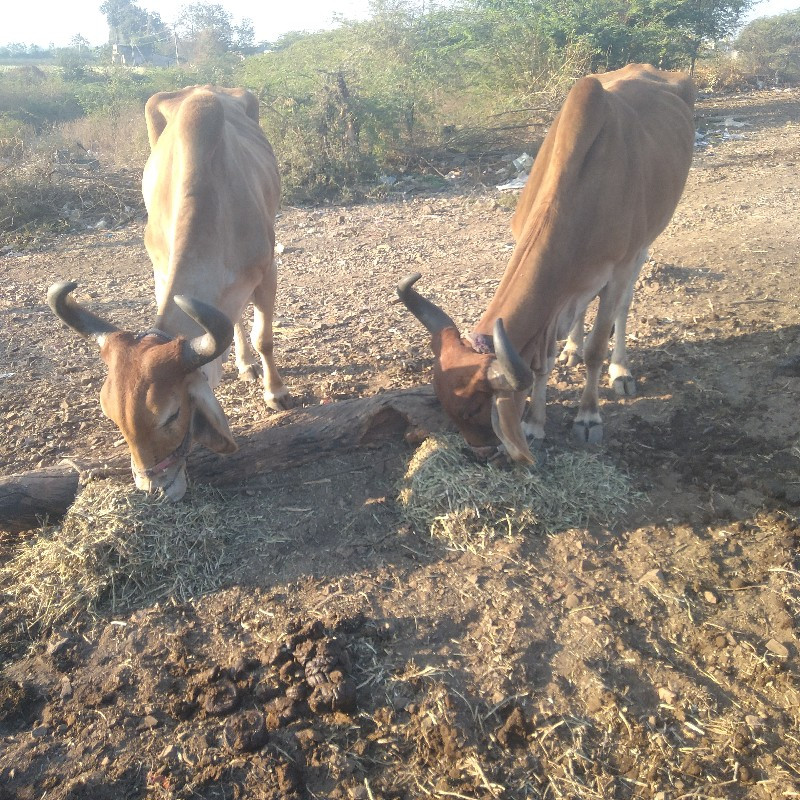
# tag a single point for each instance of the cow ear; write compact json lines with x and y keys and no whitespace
{"x":210,"y":427}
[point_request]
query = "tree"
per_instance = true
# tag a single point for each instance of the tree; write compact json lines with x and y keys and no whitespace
{"x":206,"y":30}
{"x":699,"y":22}
{"x":244,"y":35}
{"x":771,"y":46}
{"x":129,"y":24}
{"x":666,"y":33}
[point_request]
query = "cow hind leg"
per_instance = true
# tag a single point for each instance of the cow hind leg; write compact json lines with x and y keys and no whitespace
{"x":588,"y":425}
{"x":572,"y":354}
{"x":620,"y":378}
{"x":249,"y":369}
{"x":276,"y":395}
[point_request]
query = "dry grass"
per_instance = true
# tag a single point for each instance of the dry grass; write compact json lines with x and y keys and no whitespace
{"x":83,"y":174}
{"x":41,"y":195}
{"x":117,"y":548}
{"x":470,"y":504}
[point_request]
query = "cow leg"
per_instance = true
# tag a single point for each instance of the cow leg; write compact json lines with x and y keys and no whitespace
{"x":533,"y":424}
{"x":248,"y":367}
{"x":620,"y":378}
{"x":572,"y":354}
{"x":276,"y":395}
{"x":588,"y":426}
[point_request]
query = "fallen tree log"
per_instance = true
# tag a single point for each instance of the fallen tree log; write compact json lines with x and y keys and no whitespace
{"x":293,"y":438}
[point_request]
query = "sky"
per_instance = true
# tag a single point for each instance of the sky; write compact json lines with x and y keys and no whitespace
{"x":45,"y":22}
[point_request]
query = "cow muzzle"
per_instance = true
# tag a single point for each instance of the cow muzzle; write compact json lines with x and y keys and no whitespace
{"x":169,"y":475}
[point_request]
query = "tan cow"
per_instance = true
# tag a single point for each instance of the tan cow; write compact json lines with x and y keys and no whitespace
{"x":605,"y":183}
{"x":211,"y":188}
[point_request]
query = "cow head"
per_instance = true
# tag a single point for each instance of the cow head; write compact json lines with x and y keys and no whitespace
{"x":155,"y":391}
{"x":476,"y":389}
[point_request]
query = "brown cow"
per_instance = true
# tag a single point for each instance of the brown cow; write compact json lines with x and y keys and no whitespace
{"x":211,"y":188}
{"x":605,"y":183}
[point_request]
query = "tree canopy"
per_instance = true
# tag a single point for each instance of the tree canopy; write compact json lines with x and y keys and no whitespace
{"x":771,"y":46}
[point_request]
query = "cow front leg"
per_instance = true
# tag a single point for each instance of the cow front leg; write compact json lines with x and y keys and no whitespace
{"x":533,"y":423}
{"x":588,"y":425}
{"x":276,"y":395}
{"x":572,"y":354}
{"x":535,"y":416}
{"x":620,"y":378}
{"x":249,"y":369}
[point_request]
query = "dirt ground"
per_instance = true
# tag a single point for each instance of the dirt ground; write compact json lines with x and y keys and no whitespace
{"x":355,"y":657}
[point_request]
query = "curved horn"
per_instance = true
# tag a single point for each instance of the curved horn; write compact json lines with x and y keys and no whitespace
{"x":516,"y":372}
{"x":73,"y":314}
{"x":212,"y":344}
{"x":429,"y":314}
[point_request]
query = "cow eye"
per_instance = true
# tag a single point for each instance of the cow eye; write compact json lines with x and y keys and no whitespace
{"x":171,"y":418}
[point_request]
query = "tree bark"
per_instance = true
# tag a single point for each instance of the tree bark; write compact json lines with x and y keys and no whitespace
{"x":293,"y":438}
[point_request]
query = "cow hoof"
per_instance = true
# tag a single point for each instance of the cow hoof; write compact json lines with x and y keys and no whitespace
{"x":250,"y":373}
{"x":279,"y":402}
{"x":570,"y":358}
{"x":588,"y":432}
{"x":536,"y":446}
{"x":624,"y":386}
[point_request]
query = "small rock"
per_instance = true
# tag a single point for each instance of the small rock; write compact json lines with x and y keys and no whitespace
{"x":39,"y":731}
{"x":710,"y":597}
{"x":778,"y":649}
{"x":652,"y":576}
{"x":572,"y":601}
{"x":56,"y":646}
{"x":148,"y":723}
{"x":168,"y":753}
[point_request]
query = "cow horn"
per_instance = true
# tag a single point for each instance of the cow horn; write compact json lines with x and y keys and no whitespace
{"x":514,"y":369}
{"x":73,"y":314}
{"x":429,"y":314}
{"x":212,"y":344}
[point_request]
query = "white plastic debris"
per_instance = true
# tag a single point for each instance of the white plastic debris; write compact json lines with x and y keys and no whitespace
{"x":523,"y":162}
{"x":514,"y":183}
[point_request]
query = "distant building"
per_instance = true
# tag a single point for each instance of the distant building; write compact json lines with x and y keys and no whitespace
{"x":134,"y":55}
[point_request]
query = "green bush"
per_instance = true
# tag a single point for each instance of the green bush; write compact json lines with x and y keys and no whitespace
{"x":37,"y":98}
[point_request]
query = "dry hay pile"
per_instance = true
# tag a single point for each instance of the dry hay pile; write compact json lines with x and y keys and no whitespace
{"x":118,"y":548}
{"x":468,"y":504}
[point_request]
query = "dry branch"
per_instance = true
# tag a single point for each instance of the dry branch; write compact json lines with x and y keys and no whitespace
{"x":294,"y":437}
